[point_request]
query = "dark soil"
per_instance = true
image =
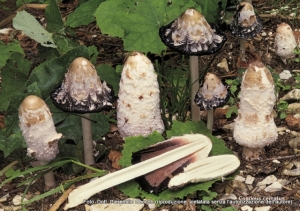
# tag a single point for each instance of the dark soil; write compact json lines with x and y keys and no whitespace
{"x":111,"y":52}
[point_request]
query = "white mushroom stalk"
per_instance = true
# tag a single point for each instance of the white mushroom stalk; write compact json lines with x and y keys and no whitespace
{"x":285,"y":42}
{"x":254,"y":127}
{"x":138,"y":110}
{"x":83,"y":92}
{"x":191,"y":34}
{"x":195,"y":142}
{"x":39,"y":132}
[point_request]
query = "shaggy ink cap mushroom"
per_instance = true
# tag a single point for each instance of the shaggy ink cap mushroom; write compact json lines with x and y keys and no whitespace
{"x":245,"y":24}
{"x":82,"y":90}
{"x":191,"y":34}
{"x":38,"y":129}
{"x":213,"y":93}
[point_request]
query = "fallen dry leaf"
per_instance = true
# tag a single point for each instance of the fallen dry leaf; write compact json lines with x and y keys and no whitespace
{"x":292,"y":122}
{"x":114,"y":157}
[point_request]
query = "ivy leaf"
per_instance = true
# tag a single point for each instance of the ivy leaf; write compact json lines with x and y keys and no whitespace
{"x":7,"y":50}
{"x":88,"y":9}
{"x":11,"y":143}
{"x":33,"y":29}
{"x":138,"y":23}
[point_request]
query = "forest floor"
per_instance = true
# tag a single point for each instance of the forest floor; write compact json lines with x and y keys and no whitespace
{"x":262,"y":46}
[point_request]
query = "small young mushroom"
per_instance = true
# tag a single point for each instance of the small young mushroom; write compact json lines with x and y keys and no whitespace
{"x":213,"y":94}
{"x":138,"y":110}
{"x":254,"y":127}
{"x":83,"y":92}
{"x":191,"y":34}
{"x":245,"y":25}
{"x":39,"y":132}
{"x":284,"y":42}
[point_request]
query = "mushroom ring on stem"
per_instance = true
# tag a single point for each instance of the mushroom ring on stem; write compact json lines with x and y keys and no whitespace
{"x":254,"y":128}
{"x":82,"y":92}
{"x":39,"y":132}
{"x":192,"y":35}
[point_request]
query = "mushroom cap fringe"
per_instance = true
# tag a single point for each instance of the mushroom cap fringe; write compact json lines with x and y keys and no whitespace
{"x":82,"y":90}
{"x":138,"y":110}
{"x":254,"y":127}
{"x":191,"y":34}
{"x":245,"y":23}
{"x":38,"y":129}
{"x":285,"y":41}
{"x":213,"y":93}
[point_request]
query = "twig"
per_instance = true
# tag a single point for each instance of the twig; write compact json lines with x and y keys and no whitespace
{"x":61,"y":199}
{"x":7,"y":20}
{"x":284,"y":157}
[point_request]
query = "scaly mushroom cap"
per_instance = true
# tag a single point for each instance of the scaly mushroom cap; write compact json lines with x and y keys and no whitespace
{"x":285,"y":41}
{"x":245,"y":23}
{"x":191,"y":34}
{"x":254,"y":127}
{"x":213,"y":93}
{"x":38,"y":129}
{"x":82,"y":90}
{"x":138,"y":110}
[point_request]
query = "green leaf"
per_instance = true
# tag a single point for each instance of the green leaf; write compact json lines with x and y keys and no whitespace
{"x":93,"y":54}
{"x":136,"y":143}
{"x":53,"y":16}
{"x":14,"y":76}
{"x":108,"y":74}
{"x":11,"y":143}
{"x":7,"y":50}
{"x":231,"y":110}
{"x":211,"y":9}
{"x":50,"y":73}
{"x":64,"y":44}
{"x":70,"y":127}
{"x":88,"y":9}
{"x":188,"y":127}
{"x":138,"y":22}
{"x":33,"y":29}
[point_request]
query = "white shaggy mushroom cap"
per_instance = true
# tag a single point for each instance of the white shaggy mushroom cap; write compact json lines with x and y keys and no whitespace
{"x":285,"y":41}
{"x":38,"y":129}
{"x":254,"y":127}
{"x":138,"y":109}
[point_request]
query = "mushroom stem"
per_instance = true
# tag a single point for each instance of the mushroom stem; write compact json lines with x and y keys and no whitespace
{"x":210,"y":119}
{"x":242,"y":49}
{"x":48,"y":177}
{"x":87,"y":139}
{"x":251,"y":154}
{"x":194,"y":66}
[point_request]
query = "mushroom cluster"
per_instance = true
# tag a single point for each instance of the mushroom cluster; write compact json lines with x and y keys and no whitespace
{"x":138,"y":110}
{"x":254,"y":127}
{"x":191,"y":34}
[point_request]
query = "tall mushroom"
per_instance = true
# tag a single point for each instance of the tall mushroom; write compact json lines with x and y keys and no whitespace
{"x":245,"y":25}
{"x":39,"y":132}
{"x":254,"y":127}
{"x":213,"y":94}
{"x":138,"y":110}
{"x":82,"y":92}
{"x":285,"y":42}
{"x":191,"y":34}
